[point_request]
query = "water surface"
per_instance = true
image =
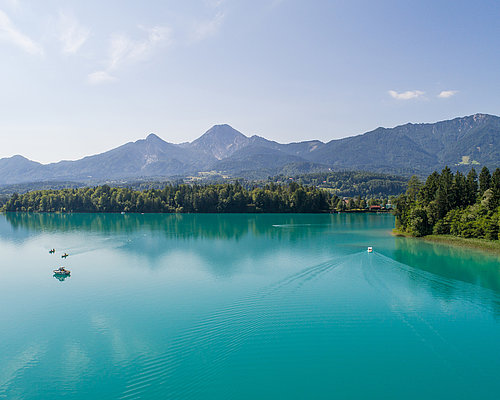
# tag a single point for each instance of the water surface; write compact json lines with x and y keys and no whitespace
{"x":242,"y":306}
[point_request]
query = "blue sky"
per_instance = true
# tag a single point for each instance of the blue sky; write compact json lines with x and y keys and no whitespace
{"x":82,"y":77}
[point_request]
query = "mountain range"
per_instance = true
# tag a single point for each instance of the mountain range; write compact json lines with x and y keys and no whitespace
{"x":407,"y":149}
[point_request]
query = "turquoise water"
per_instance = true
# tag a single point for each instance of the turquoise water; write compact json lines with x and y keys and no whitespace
{"x":242,"y":307}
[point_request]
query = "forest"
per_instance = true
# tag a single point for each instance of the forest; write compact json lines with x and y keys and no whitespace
{"x":461,"y":205}
{"x":182,"y":198}
{"x":290,"y":197}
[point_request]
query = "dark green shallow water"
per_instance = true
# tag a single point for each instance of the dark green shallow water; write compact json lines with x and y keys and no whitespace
{"x":242,"y":307}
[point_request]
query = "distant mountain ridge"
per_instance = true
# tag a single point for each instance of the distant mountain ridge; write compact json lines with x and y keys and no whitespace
{"x":406,"y":149}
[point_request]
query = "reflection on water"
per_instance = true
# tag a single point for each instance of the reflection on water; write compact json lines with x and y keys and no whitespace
{"x":218,"y":226}
{"x":242,"y":306}
{"x":210,"y":237}
{"x":452,"y":262}
{"x":61,"y":278}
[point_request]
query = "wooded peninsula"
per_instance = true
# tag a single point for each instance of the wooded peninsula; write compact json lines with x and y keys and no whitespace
{"x":291,"y":197}
{"x":451,"y":204}
{"x":182,"y":198}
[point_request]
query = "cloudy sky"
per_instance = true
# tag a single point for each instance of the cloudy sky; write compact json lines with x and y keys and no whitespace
{"x":82,"y":77}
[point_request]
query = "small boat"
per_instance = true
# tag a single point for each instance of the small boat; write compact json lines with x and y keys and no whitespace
{"x":65,"y":255}
{"x":62,"y":271}
{"x":370,"y":249}
{"x":52,"y":251}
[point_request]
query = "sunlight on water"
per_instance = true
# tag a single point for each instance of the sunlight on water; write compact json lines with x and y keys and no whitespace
{"x":242,"y":306}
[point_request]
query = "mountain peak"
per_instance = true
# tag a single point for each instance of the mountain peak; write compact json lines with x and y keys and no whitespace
{"x":18,"y":157}
{"x":220,"y":141}
{"x":223,"y":131}
{"x":152,"y":137}
{"x":480,"y":117}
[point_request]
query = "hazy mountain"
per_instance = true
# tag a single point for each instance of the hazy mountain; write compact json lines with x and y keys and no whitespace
{"x":14,"y":168}
{"x":144,"y":158}
{"x":407,"y":149}
{"x":418,"y":148}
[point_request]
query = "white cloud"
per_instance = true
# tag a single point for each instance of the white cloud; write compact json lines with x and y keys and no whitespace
{"x":408,"y":95}
{"x":99,"y":77}
{"x":124,"y":50}
{"x":204,"y":29}
{"x":72,"y":35}
{"x":9,"y":33}
{"x":445,"y":94}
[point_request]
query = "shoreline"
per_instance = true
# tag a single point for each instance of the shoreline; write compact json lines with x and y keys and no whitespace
{"x":485,"y":245}
{"x":220,"y":212}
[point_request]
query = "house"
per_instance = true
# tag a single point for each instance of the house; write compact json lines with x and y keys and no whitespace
{"x":375,"y":208}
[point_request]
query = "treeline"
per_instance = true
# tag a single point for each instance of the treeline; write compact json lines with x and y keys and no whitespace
{"x":353,"y":183}
{"x":466,"y":206}
{"x":181,"y":198}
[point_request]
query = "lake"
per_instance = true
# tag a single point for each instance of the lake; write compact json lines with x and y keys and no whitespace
{"x":242,"y":306}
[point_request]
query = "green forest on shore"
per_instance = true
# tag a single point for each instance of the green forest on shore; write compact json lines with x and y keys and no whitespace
{"x":465,"y":206}
{"x":290,"y":197}
{"x":228,"y":197}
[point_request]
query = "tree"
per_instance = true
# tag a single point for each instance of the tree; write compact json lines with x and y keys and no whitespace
{"x":414,"y":186}
{"x":444,"y":193}
{"x":471,"y":194}
{"x":459,"y":190}
{"x":495,"y":187}
{"x":419,"y":225}
{"x":484,"y":180}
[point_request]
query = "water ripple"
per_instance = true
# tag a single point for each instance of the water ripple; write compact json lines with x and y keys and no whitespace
{"x":225,"y":330}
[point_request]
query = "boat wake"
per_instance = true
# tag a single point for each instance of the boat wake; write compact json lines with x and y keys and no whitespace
{"x":213,"y":340}
{"x":274,"y":318}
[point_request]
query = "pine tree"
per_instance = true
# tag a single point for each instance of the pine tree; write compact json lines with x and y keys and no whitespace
{"x":444,"y":195}
{"x":471,"y":187}
{"x":414,"y":186}
{"x":495,"y":187}
{"x":429,"y":190}
{"x":484,"y":180}
{"x":459,"y":191}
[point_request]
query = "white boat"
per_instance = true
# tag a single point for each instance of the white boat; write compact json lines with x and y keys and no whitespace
{"x":61,"y":271}
{"x":370,"y":249}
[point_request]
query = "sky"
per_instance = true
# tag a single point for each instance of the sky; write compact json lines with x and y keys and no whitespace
{"x":82,"y":77}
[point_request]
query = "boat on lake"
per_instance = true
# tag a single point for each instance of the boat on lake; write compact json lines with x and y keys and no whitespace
{"x":62,"y":271}
{"x":370,"y":249}
{"x":65,"y":255}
